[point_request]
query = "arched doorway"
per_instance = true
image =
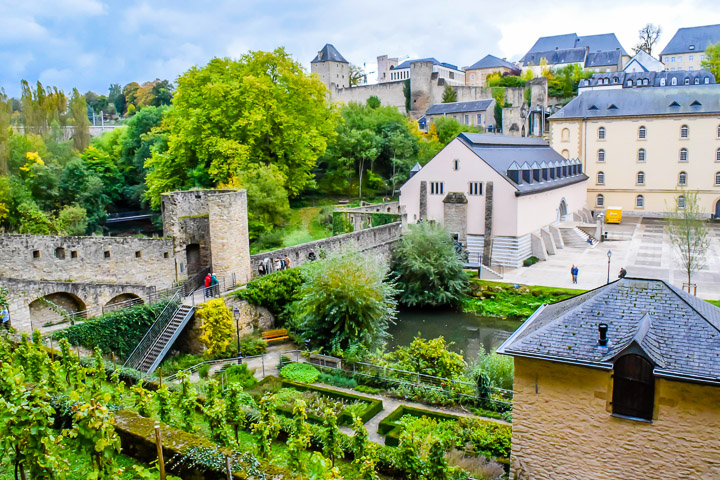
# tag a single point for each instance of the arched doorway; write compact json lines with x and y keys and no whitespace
{"x":53,"y":307}
{"x":194,"y":261}
{"x":122,"y":301}
{"x":717,"y":209}
{"x":562,"y":210}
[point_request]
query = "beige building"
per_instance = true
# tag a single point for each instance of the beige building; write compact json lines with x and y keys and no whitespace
{"x":621,"y":382}
{"x":332,"y":67}
{"x":477,"y":73}
{"x":686,"y":50}
{"x":641,"y":146}
{"x":478,"y":113}
{"x":511,"y":191}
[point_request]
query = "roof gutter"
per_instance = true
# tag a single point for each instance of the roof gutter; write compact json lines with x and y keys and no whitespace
{"x":511,"y":338}
{"x":545,"y":188}
{"x":599,"y":366}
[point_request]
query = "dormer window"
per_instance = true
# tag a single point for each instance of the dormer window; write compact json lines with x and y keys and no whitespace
{"x":633,"y":387}
{"x":629,"y":83}
{"x":662,"y":82}
{"x":687,"y":81}
{"x":673,"y":81}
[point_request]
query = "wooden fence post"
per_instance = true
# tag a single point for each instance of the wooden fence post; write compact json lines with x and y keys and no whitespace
{"x":227,"y":467}
{"x":158,"y":443}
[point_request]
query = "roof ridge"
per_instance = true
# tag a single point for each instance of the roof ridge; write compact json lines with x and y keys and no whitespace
{"x":673,"y":289}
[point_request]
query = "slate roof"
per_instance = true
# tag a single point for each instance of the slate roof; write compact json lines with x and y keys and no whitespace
{"x":491,"y":61}
{"x":643,"y":102}
{"x":502,"y":153}
{"x":407,"y":63}
{"x":696,"y":37}
{"x":647,"y":62}
{"x":556,"y":57}
{"x":603,"y":59}
{"x":459,"y":107}
{"x":653,"y":78}
{"x":601,"y":43}
{"x":329,"y":54}
{"x":677,"y":331}
{"x":595,"y":43}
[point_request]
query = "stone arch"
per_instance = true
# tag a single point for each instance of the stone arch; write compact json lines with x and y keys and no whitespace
{"x":124,"y":297}
{"x":562,"y":210}
{"x":41,"y":311}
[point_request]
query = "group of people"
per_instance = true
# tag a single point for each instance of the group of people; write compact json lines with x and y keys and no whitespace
{"x":211,"y":285}
{"x":574,"y":270}
{"x":274,"y":265}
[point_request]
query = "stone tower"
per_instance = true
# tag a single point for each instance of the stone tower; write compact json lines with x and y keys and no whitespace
{"x":385,"y":64}
{"x":420,"y":87}
{"x":333,"y":69}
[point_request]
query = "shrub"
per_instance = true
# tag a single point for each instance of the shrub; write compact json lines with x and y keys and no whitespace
{"x":498,"y":368}
{"x":430,"y":357}
{"x":204,"y":371}
{"x":337,"y":380}
{"x":274,"y":291}
{"x":428,"y":269}
{"x":268,"y":241}
{"x":241,"y":375}
{"x":174,"y":364}
{"x":251,"y":345}
{"x":366,"y":389}
{"x":217,"y":327}
{"x":117,"y":332}
{"x":530,"y":261}
{"x":300,"y":372}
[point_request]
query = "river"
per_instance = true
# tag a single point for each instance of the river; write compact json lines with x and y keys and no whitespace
{"x":470,"y":332}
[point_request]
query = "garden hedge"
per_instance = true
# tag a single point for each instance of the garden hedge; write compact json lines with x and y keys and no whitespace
{"x":390,"y":422}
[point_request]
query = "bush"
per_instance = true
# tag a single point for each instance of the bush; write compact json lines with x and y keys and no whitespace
{"x":241,"y":375}
{"x":340,"y":224}
{"x":274,"y":291}
{"x":251,"y":345}
{"x":430,"y":357}
{"x":267,"y":241}
{"x":204,"y":371}
{"x":337,"y":380}
{"x":530,"y":261}
{"x":173,"y":365}
{"x":300,"y":372}
{"x":498,"y":368}
{"x":370,"y":390}
{"x":118,"y":332}
{"x":218,"y":326}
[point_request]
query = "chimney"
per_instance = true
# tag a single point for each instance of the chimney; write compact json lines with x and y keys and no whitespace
{"x":603,"y":328}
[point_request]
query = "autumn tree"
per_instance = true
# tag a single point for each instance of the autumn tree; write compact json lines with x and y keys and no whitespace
{"x":648,"y":37}
{"x":232,"y":116}
{"x":689,"y":233}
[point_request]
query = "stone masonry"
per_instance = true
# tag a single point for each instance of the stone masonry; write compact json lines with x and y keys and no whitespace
{"x":455,"y":214}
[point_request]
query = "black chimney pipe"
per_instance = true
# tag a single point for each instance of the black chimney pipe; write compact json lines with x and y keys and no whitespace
{"x":603,"y":328}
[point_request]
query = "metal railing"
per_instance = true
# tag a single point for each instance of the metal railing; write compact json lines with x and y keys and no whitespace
{"x":155,"y":330}
{"x":220,"y":361}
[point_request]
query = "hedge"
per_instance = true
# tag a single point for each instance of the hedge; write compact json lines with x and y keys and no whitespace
{"x":390,"y":422}
{"x":274,"y":291}
{"x":374,"y":407}
{"x":118,"y":332}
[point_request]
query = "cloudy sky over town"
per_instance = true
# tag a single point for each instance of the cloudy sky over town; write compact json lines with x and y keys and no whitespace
{"x":90,"y":44}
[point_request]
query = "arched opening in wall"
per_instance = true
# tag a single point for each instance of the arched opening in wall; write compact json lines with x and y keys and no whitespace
{"x":60,"y":253}
{"x":717,"y":209}
{"x":194,"y":261}
{"x":562,"y":210}
{"x":124,"y":299}
{"x":55,"y":306}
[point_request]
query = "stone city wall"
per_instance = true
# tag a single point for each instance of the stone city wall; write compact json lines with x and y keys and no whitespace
{"x":390,"y":93}
{"x":378,"y":239}
{"x":127,"y":260}
{"x":563,"y":427}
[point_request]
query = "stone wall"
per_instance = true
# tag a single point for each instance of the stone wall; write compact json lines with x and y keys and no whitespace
{"x":127,"y":260}
{"x":563,"y":427}
{"x":390,"y":93}
{"x":229,"y":236}
{"x":378,"y":239}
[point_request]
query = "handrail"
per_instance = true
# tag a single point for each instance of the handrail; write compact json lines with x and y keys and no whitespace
{"x":162,"y":321}
{"x":220,"y":361}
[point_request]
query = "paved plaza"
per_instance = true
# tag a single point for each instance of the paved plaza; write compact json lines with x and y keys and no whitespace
{"x":646,"y":253}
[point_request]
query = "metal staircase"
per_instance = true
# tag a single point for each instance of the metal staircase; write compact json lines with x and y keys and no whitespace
{"x":162,"y":334}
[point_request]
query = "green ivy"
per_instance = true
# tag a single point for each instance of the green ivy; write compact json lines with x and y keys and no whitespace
{"x":274,"y":291}
{"x":340,"y":224}
{"x":379,"y":219}
{"x":117,"y":332}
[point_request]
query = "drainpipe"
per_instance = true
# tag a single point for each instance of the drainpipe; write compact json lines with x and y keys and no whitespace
{"x":585,"y":145}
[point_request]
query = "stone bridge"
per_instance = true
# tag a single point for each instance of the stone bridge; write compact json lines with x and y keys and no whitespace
{"x":29,"y":311}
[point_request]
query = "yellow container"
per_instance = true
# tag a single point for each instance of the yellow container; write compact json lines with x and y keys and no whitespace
{"x":613,"y":215}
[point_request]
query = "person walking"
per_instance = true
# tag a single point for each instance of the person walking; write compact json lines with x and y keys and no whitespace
{"x":5,"y":317}
{"x":574,"y":271}
{"x":622,"y":273}
{"x":277,"y":265}
{"x":268,"y":265}
{"x":287,"y":261}
{"x":208,"y":280}
{"x":214,"y":284}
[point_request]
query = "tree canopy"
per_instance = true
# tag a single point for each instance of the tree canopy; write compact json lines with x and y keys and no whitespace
{"x":712,"y":60}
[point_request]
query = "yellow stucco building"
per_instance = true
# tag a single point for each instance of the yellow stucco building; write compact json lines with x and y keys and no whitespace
{"x":622,"y":382}
{"x":640,"y":147}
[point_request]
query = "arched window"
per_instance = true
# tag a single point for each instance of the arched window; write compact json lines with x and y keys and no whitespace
{"x":687,"y":81}
{"x":641,"y":155}
{"x":673,"y":81}
{"x":601,"y":133}
{"x":601,"y":155}
{"x":633,"y":387}
{"x":600,"y":200}
{"x":718,"y":132}
{"x":682,"y":179}
{"x":565,"y":135}
{"x":639,"y":201}
{"x":601,"y":178}
{"x":684,"y":131}
{"x":707,"y":81}
{"x":60,"y":253}
{"x":641,"y":178}
{"x":662,"y":82}
{"x":697,"y":81}
{"x":642,"y":132}
{"x":717,"y":155}
{"x":606,"y":82}
{"x":681,"y":202}
{"x":683,"y":155}
{"x":566,"y":154}
{"x":717,"y":178}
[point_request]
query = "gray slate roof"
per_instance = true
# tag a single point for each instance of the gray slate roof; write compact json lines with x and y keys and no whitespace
{"x":696,"y":37}
{"x":329,"y":54}
{"x":459,"y":107}
{"x":502,"y":152}
{"x":603,"y":59}
{"x":556,"y":57}
{"x":646,"y":61}
{"x":653,"y":78}
{"x":595,"y":43}
{"x":678,"y":332}
{"x":643,"y":102}
{"x":491,"y":61}
{"x":407,"y":63}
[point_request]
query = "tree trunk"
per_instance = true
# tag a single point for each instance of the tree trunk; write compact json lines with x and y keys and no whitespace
{"x":360,"y":173}
{"x":688,"y":272}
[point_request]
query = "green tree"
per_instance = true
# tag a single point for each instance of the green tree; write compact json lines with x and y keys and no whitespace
{"x":299,"y":439}
{"x":117,"y":98}
{"x":373,"y":102}
{"x":81,"y":123}
{"x":448,"y":128}
{"x":234,"y":412}
{"x":72,"y":220}
{"x":162,"y":92}
{"x":427,"y":268}
{"x":95,"y":432}
{"x":689,"y":233}
{"x":5,"y":116}
{"x":164,"y":404}
{"x":217,"y":326}
{"x":346,"y":301}
{"x":449,"y":95}
{"x":331,"y":436}
{"x":712,"y":60}
{"x":267,"y":199}
{"x":431,"y":357}
{"x":235,"y":115}
{"x":356,"y":76}
{"x":268,"y":426}
{"x":186,"y":402}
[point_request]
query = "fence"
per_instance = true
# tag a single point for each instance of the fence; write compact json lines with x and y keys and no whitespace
{"x":222,"y":361}
{"x":137,"y":355}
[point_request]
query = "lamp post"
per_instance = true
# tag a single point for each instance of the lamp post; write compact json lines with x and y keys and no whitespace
{"x":236,"y":314}
{"x":608,"y":276}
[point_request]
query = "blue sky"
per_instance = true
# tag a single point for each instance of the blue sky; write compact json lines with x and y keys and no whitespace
{"x":90,"y":44}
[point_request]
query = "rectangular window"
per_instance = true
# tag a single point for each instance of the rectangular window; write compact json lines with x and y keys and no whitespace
{"x":456,"y":164}
{"x":73,"y":254}
{"x":476,"y":188}
{"x":467,"y":119}
{"x":690,"y":58}
{"x":702,"y":56}
{"x":479,"y":122}
{"x":672,"y":59}
{"x":679,"y":58}
{"x":437,"y":188}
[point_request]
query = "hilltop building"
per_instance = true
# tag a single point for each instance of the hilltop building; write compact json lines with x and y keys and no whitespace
{"x":478,"y":113}
{"x":450,"y":73}
{"x":331,"y":66}
{"x":643,"y":62}
{"x":477,"y":73}
{"x":686,"y":49}
{"x":599,"y":53}
{"x":620,"y":382}
{"x":500,"y":196}
{"x":620,"y":80}
{"x":640,"y":146}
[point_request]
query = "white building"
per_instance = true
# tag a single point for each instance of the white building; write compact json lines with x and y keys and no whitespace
{"x":520,"y":186}
{"x":451,"y":73}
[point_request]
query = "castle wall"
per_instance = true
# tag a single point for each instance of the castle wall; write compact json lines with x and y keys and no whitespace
{"x":389,"y":93}
{"x":229,"y":235}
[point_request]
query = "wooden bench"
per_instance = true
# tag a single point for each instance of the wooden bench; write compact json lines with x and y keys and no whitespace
{"x":275,"y":335}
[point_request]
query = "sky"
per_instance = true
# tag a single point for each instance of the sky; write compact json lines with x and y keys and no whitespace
{"x":89,"y":44}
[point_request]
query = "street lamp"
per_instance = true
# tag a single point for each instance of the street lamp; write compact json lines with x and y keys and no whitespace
{"x":236,"y":314}
{"x":609,"y":255}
